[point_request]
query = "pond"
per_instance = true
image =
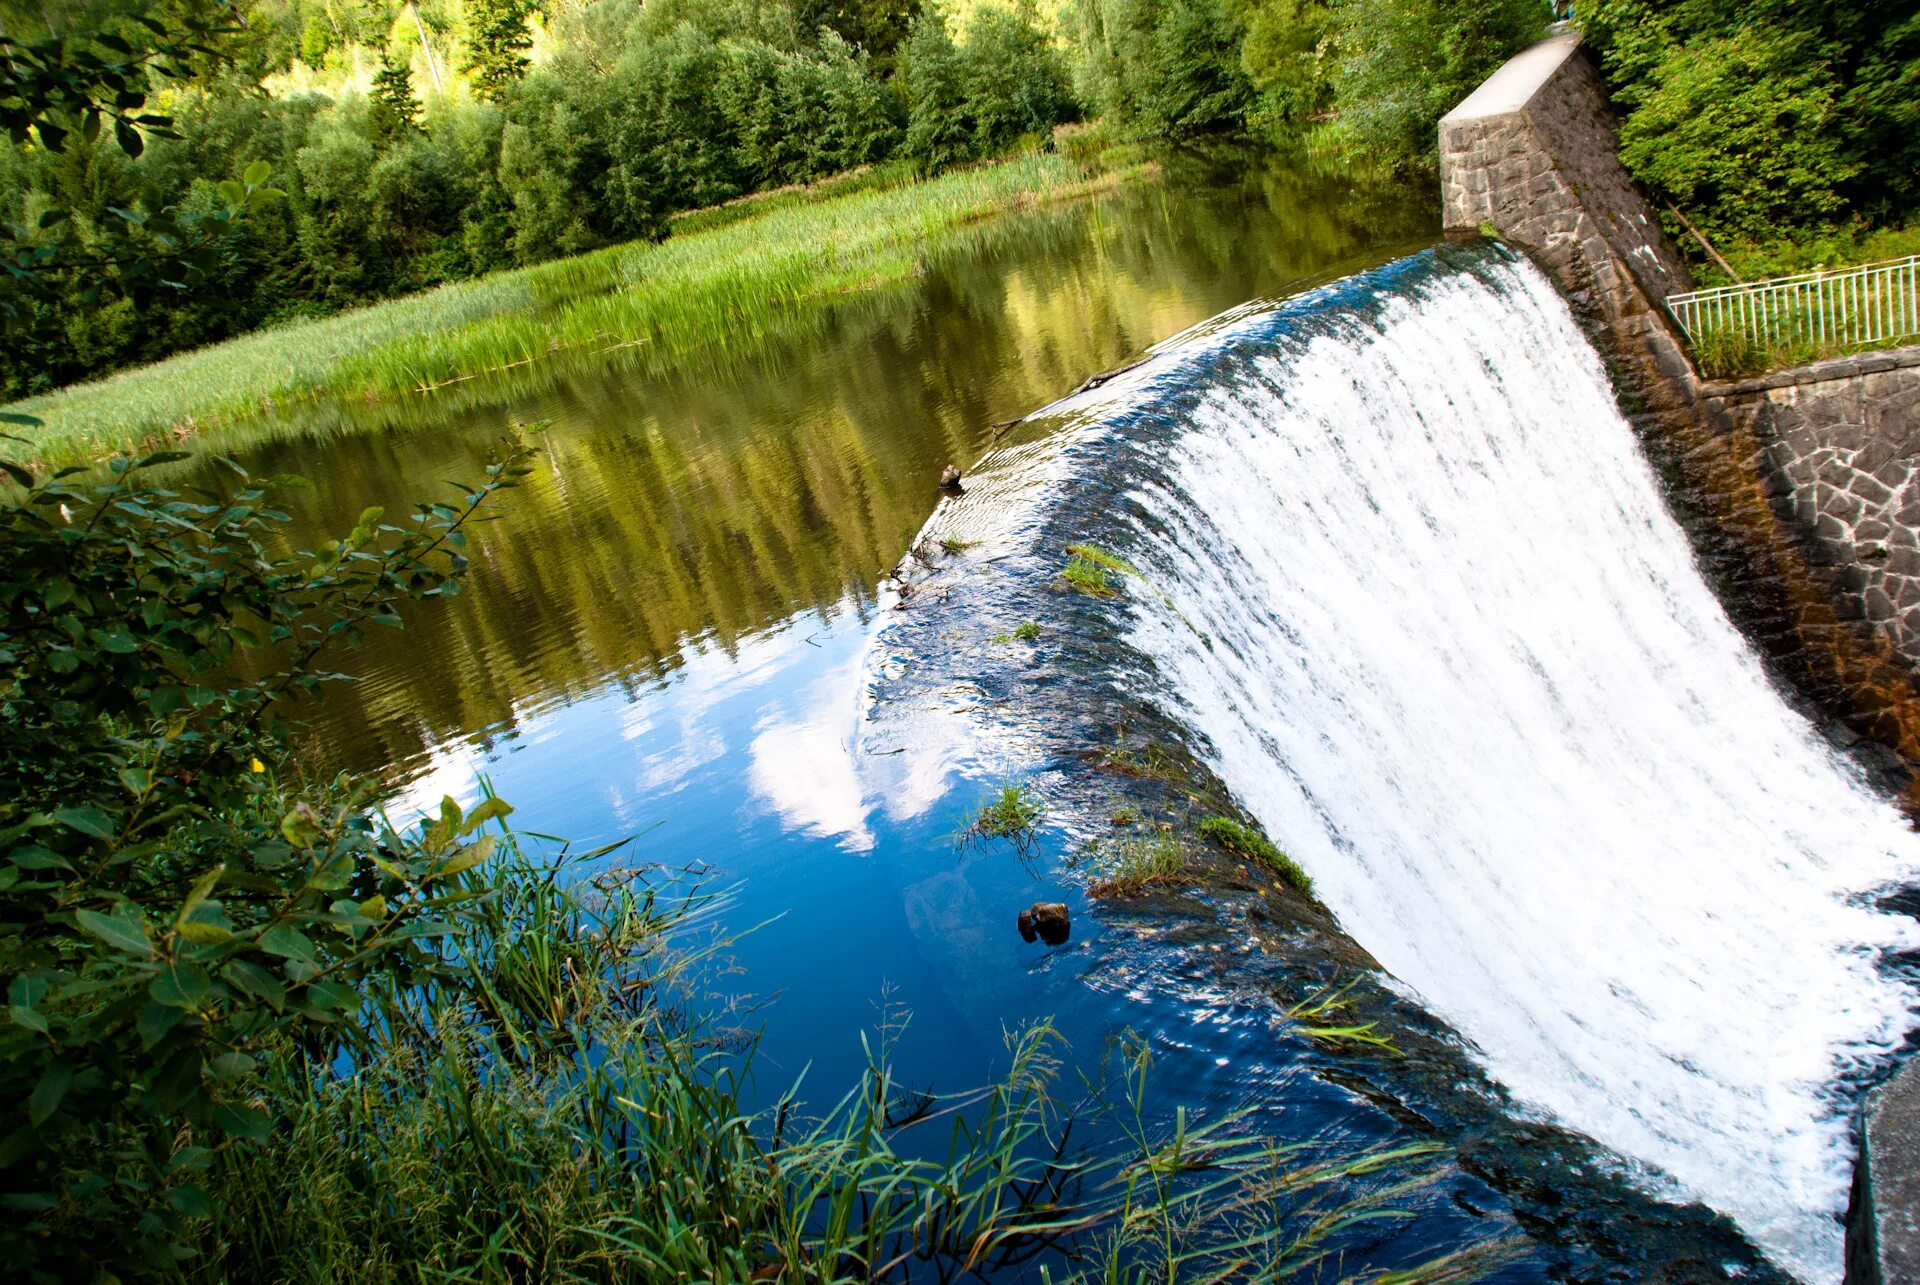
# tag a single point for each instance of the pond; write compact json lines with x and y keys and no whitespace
{"x":672,"y":633}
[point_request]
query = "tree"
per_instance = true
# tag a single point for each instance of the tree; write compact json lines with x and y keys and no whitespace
{"x":395,"y":111}
{"x":1744,"y":130}
{"x":877,"y":26}
{"x":497,"y":44}
{"x":1400,"y":65}
{"x":939,"y":127}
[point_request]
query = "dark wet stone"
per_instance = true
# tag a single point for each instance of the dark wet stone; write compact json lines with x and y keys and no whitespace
{"x":1048,"y":921}
{"x":1883,"y":1228}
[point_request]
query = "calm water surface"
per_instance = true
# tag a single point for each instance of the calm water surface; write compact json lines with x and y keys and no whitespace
{"x":668,"y":636}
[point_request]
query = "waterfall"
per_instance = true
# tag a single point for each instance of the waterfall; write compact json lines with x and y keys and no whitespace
{"x":1415,"y":593}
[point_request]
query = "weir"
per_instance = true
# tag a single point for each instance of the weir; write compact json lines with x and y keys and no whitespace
{"x":1412,"y":590}
{"x":1430,"y":615}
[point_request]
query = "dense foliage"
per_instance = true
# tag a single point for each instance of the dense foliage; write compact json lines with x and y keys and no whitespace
{"x":174,"y":903}
{"x":1369,"y":78}
{"x":633,"y":112}
{"x":1768,"y":119}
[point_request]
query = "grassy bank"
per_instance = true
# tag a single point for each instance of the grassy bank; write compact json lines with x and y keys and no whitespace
{"x":729,"y":280}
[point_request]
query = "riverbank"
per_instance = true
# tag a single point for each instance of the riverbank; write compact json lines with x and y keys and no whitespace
{"x":730,"y":284}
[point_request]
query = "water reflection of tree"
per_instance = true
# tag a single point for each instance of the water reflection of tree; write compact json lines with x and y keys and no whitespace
{"x":723,"y":496}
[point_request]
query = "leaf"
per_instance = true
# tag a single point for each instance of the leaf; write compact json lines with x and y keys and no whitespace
{"x":127,"y":136}
{"x":155,"y":1021}
{"x":230,"y":1065}
{"x":90,"y":821}
{"x":31,"y":856}
{"x":257,"y":173}
{"x":489,"y":809}
{"x":181,"y":985}
{"x":202,"y":888}
{"x":374,"y":907}
{"x":287,"y":942}
{"x":257,"y":982}
{"x":191,"y":1201}
{"x":123,"y":932}
{"x":50,"y":1091}
{"x":465,"y":859}
{"x":23,"y":993}
{"x":333,"y":995}
{"x":243,"y":1121}
{"x":299,"y":829}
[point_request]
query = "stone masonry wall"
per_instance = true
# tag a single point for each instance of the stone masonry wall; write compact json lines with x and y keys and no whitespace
{"x":1842,"y":441}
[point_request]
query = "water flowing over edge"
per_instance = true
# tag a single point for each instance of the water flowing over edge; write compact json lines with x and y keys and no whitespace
{"x":1411,"y":590}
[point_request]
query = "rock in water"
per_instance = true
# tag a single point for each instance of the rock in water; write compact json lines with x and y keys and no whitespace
{"x":950,"y":479}
{"x":1046,"y":920}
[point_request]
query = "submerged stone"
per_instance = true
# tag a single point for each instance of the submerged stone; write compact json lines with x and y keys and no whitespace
{"x":1049,"y":921}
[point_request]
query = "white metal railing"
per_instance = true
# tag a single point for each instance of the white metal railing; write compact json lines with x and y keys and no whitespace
{"x":1824,"y":311}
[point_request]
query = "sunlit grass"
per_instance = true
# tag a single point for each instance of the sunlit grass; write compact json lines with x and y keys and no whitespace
{"x":1013,"y":813}
{"x":1249,"y":842}
{"x":1136,"y":864}
{"x":726,"y":286}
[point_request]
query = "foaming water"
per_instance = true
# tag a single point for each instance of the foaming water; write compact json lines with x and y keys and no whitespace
{"x":1422,"y":604}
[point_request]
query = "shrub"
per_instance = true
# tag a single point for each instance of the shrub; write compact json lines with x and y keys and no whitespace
{"x":173,"y":903}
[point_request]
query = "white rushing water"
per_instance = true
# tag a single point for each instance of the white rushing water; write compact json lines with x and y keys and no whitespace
{"x":1463,"y":666}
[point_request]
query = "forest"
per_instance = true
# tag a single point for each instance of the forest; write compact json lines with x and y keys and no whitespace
{"x":424,"y":143}
{"x":421,"y":144}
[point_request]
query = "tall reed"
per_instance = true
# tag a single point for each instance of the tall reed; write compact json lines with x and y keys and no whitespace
{"x":722,"y":288}
{"x":564,"y":1111}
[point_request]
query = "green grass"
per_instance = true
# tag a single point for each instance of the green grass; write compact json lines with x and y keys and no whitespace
{"x":1249,"y":842}
{"x":1094,"y":571}
{"x":1138,"y":863}
{"x":1839,"y":247}
{"x":1732,"y":352}
{"x":725,"y":285}
{"x":1025,"y":631}
{"x":1013,"y":812}
{"x":1149,"y":762}
{"x":953,"y":546}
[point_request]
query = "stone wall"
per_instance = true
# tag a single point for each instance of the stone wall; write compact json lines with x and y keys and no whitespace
{"x":1842,"y":443}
